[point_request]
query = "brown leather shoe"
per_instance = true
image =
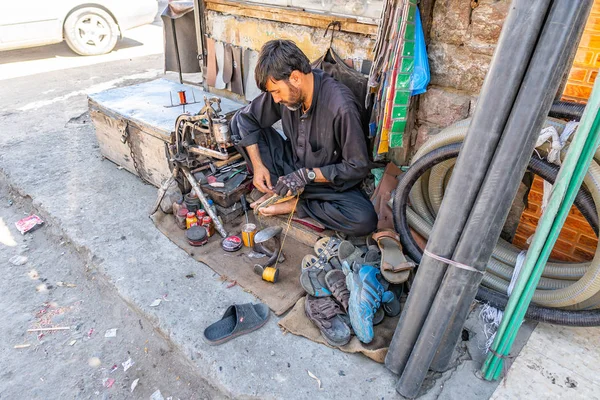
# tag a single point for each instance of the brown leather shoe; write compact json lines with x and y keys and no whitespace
{"x":336,"y":283}
{"x":326,"y":314}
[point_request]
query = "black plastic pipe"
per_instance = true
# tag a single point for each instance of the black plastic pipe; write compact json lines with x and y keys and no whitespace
{"x":507,"y":69}
{"x":458,"y":289}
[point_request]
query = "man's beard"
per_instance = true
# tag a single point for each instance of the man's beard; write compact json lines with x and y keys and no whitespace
{"x":295,"y":97}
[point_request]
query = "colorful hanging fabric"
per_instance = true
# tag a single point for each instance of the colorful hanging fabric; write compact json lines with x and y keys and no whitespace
{"x":390,"y":77}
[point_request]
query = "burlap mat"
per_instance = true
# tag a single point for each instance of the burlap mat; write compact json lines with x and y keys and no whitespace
{"x":298,"y":323}
{"x":280,"y":296}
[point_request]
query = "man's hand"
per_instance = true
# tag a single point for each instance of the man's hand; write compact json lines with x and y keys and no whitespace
{"x":292,"y":184}
{"x":262,"y":179}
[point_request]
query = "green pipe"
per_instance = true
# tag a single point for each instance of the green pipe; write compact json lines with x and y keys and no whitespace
{"x":545,"y":225}
{"x":514,"y":321}
{"x":580,"y":170}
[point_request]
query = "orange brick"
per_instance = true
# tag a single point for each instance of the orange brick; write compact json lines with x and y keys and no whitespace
{"x":564,"y":246}
{"x":522,"y":239}
{"x":583,"y":255}
{"x":533,"y":208}
{"x":593,"y":23}
{"x":583,"y":57}
{"x":591,"y":41}
{"x":588,"y":241}
{"x":526,"y":230}
{"x":578,"y":91}
{"x":537,"y":184}
{"x":535,"y":197}
{"x":592,"y":77}
{"x":578,"y":225}
{"x":568,"y":235}
{"x":578,"y":74}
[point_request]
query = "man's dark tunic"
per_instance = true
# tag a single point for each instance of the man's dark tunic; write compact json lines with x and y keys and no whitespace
{"x":328,"y":136}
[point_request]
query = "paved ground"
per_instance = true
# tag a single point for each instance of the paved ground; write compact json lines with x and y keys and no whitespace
{"x":55,"y":287}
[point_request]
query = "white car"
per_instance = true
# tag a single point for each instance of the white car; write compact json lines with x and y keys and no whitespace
{"x":89,"y":27}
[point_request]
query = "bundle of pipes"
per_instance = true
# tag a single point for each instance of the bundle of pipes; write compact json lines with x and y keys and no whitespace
{"x":533,"y":53}
{"x":568,"y":182}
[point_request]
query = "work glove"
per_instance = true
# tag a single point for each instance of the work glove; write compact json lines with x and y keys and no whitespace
{"x":294,"y":183}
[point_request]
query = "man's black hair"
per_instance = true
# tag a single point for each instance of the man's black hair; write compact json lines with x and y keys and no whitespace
{"x":277,"y":60}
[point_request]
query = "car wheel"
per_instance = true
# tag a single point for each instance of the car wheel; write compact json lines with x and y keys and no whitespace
{"x":91,"y":31}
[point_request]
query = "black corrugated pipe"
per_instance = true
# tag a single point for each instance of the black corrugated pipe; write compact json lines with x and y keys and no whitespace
{"x":566,"y":110}
{"x":513,"y":53}
{"x":410,"y":246}
{"x":458,"y":289}
{"x":543,"y":314}
{"x":584,"y":201}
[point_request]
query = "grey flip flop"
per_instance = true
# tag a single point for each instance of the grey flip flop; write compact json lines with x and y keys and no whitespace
{"x":238,"y":320}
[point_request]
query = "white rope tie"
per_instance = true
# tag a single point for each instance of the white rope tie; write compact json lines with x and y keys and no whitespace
{"x":451,"y":262}
{"x":558,"y":142}
{"x":513,"y":280}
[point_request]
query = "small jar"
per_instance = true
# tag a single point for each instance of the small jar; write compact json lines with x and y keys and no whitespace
{"x":200,"y":214}
{"x":191,"y":220}
{"x":181,"y":216}
{"x":208,"y":224}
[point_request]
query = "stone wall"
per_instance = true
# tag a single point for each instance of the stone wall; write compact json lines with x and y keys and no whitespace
{"x":462,"y":39}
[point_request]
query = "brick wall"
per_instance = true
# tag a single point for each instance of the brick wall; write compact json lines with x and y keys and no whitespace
{"x":577,"y":241}
{"x":587,"y":60}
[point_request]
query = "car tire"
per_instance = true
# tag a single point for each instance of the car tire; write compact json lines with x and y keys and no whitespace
{"x":90,"y":31}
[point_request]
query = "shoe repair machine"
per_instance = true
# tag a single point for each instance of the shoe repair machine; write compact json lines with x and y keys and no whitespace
{"x":195,"y":142}
{"x":194,"y":145}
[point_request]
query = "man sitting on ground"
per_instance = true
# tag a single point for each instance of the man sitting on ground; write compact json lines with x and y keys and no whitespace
{"x":323,"y":155}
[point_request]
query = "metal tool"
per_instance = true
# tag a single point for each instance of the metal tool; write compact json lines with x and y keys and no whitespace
{"x":163,"y":190}
{"x":196,"y":187}
{"x":245,"y":206}
{"x":269,"y":271}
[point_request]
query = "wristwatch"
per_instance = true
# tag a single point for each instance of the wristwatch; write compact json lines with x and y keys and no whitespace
{"x":310,"y":173}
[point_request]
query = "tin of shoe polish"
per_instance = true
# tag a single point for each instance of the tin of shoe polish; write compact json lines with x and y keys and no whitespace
{"x":197,"y":235}
{"x":231,"y":243}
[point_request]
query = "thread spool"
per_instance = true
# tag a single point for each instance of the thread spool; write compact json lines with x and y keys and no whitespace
{"x":270,"y":274}
{"x":182,"y":98}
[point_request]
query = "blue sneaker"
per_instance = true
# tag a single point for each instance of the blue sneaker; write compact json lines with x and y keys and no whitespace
{"x":366,"y":296}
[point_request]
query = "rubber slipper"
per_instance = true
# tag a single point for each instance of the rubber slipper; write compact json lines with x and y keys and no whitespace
{"x":373,"y":257}
{"x":394,"y":266}
{"x":327,"y":247}
{"x":238,"y":320}
{"x":310,"y":260}
{"x":349,"y":253}
{"x":393,"y":307}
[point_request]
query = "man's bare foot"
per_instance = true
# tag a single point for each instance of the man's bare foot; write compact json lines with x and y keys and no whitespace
{"x":278,"y":209}
{"x":262,"y":199}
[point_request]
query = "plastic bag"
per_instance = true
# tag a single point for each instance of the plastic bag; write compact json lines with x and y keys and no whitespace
{"x":420,"y":76}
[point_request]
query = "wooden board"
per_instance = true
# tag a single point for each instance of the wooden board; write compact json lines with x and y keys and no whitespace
{"x":148,"y":150}
{"x":293,"y":15}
